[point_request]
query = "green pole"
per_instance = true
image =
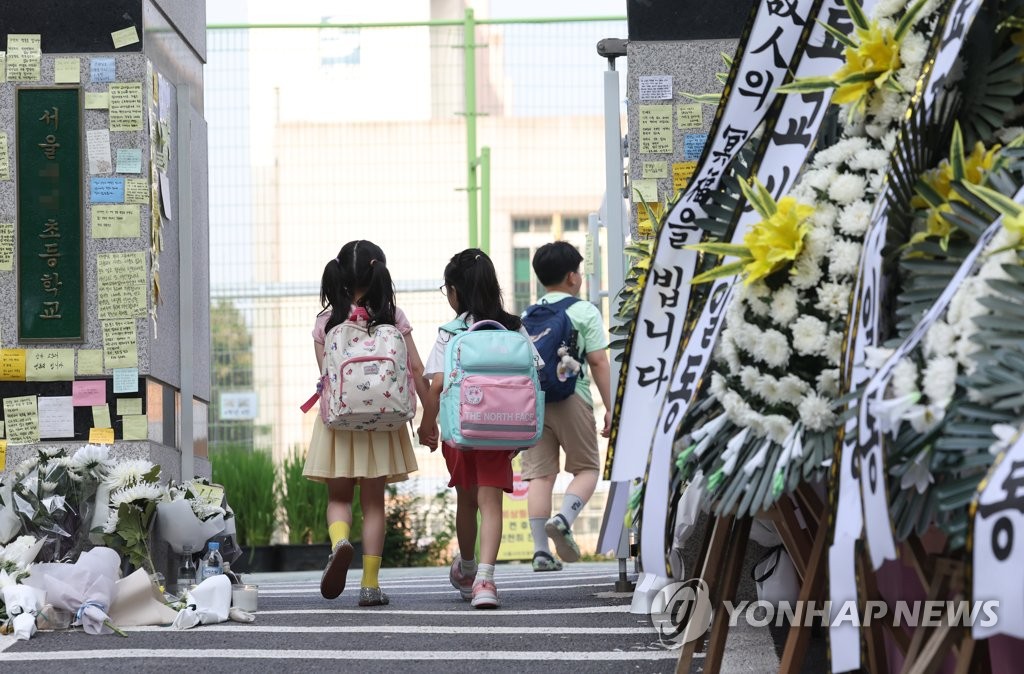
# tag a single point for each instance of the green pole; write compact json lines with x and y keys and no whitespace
{"x":469,"y":84}
{"x":485,"y":199}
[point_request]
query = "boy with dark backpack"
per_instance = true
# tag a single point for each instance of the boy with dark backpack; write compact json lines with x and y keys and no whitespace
{"x":570,"y":338}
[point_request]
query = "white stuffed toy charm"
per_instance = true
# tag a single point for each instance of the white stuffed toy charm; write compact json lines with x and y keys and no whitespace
{"x":567,"y":365}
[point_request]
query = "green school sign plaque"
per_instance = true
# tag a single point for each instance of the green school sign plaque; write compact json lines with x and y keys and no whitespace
{"x":50,"y":231}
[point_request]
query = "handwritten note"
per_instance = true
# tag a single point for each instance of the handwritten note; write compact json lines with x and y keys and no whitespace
{"x":6,"y":246}
{"x":126,"y":406}
{"x":644,"y":226}
{"x":655,"y":169}
{"x":98,"y":143}
{"x":681,"y":174}
{"x":116,"y":222}
{"x":89,"y":392}
{"x":67,"y":71}
{"x":126,"y":106}
{"x":656,"y":129}
{"x":136,"y":191}
{"x":105,"y":191}
{"x":693,"y":145}
{"x":101,"y":417}
{"x":21,"y":420}
{"x":23,"y":56}
{"x":12,"y":364}
{"x":655,"y":87}
{"x":56,"y":417}
{"x":50,"y":364}
{"x":102,"y":69}
{"x":689,"y":116}
{"x":5,"y":165}
{"x":644,"y":190}
{"x":125,"y":37}
{"x":129,"y":160}
{"x":120,"y":345}
{"x":134,"y":427}
{"x":101,"y":436}
{"x":126,"y":380}
{"x":211,"y":493}
{"x":121,"y":285}
{"x":90,"y":361}
{"x":97,"y":100}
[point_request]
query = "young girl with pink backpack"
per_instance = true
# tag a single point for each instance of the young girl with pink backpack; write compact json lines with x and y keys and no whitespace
{"x":370,"y":371}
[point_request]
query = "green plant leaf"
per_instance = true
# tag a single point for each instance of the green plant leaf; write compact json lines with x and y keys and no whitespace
{"x":908,"y":19}
{"x":957,"y":161}
{"x":723,"y":271}
{"x":853,"y":8}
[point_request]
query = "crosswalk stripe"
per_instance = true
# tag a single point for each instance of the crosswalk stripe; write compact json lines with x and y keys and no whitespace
{"x":339,"y":656}
{"x":621,"y":608}
{"x":501,"y":590}
{"x":405,"y":629}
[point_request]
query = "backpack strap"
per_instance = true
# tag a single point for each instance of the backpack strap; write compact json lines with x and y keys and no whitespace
{"x":455,"y":325}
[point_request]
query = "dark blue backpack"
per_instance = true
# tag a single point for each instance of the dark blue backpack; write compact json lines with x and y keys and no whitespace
{"x":549,"y":328}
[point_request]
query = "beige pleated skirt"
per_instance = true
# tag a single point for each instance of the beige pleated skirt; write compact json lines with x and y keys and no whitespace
{"x":356,"y":454}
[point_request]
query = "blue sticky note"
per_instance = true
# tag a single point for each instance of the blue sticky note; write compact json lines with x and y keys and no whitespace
{"x":106,"y":190}
{"x":126,"y":380}
{"x":129,"y":160}
{"x":693,"y":145}
{"x":102,"y":69}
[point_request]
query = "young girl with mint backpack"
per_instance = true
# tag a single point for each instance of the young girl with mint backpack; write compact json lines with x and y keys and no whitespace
{"x":357,"y":293}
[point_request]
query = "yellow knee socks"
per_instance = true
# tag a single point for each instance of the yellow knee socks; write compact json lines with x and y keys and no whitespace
{"x":337,"y":531}
{"x":371,"y":567}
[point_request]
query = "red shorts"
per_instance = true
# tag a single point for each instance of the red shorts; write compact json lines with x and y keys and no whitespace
{"x":479,"y":468}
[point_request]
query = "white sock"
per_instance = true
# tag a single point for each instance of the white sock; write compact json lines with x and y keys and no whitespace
{"x":571,"y":507}
{"x":485,"y":572}
{"x":540,"y":537}
{"x":467,"y":566}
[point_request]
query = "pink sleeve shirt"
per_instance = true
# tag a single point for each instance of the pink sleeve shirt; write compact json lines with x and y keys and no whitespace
{"x":320,"y":336}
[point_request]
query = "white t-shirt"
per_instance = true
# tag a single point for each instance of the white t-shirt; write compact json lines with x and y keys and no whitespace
{"x":435,"y":361}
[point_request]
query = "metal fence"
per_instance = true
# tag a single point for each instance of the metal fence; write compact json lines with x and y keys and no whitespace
{"x":320,"y":134}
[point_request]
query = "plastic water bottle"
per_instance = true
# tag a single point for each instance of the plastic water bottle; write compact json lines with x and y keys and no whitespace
{"x":186,"y":570}
{"x":213,"y":563}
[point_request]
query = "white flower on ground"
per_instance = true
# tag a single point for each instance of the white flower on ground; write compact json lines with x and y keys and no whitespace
{"x":127,"y":473}
{"x":904,"y":378}
{"x":834,"y":299}
{"x":773,"y":349}
{"x":815,"y":413}
{"x":854,"y":219}
{"x":144,"y":491}
{"x":784,"y":306}
{"x":847,"y":188}
{"x":844,"y":259}
{"x":809,"y":335}
{"x":917,"y":474}
{"x":890,"y":412}
{"x":939,"y":379}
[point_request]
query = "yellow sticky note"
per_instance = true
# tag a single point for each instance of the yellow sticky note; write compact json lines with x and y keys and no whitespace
{"x":656,"y":129}
{"x":124,"y":37}
{"x":90,"y":361}
{"x":136,"y":191}
{"x":97,"y":100}
{"x":126,"y":106}
{"x":644,"y":190}
{"x":50,"y":365}
{"x":21,"y":418}
{"x":12,"y":364}
{"x":655,"y":169}
{"x":689,"y":116}
{"x":3,"y":455}
{"x":644,"y":225}
{"x":129,"y":406}
{"x":5,"y":164}
{"x":211,"y":493}
{"x":67,"y":71}
{"x":6,"y":246}
{"x":681,"y":174}
{"x":134,"y":427}
{"x":23,"y":57}
{"x":115,"y":221}
{"x":121,"y":285}
{"x":101,"y":416}
{"x":101,"y":436}
{"x":120,"y":345}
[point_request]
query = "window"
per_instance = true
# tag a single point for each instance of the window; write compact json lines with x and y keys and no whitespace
{"x":522,"y":277}
{"x":571,"y":224}
{"x":535,"y":224}
{"x":520,"y":224}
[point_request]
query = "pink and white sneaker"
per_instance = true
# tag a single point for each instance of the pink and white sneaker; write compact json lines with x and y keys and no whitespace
{"x":485,"y":595}
{"x":460,"y":581}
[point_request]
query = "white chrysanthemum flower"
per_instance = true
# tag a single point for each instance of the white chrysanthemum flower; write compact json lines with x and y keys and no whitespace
{"x":759,"y":307}
{"x":824,"y":214}
{"x":110,"y":526}
{"x":718,"y":385}
{"x":767,"y":388}
{"x":939,"y":379}
{"x":834,"y":348}
{"x":966,"y":349}
{"x":758,"y":289}
{"x":773,"y":349}
{"x":806,"y":273}
{"x":886,"y":8}
{"x":939,"y":340}
{"x":809,"y":335}
{"x":815,"y":412}
{"x":726,"y":351}
{"x":844,"y":259}
{"x":904,"y":378}
{"x":777,"y":427}
{"x":21,"y":551}
{"x":828,"y":382}
{"x":847,"y":188}
{"x":818,"y":242}
{"x":913,"y":49}
{"x":88,"y":457}
{"x":784,"y":306}
{"x":792,"y":389}
{"x":907,"y":77}
{"x":889,"y":140}
{"x":748,"y":377}
{"x":870,"y":160}
{"x":855,"y":218}
{"x":144,"y":491}
{"x":127,"y":473}
{"x":875,"y":356}
{"x":834,"y":299}
{"x":820,"y":179}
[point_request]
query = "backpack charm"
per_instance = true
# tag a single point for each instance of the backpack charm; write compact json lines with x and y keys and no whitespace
{"x":554,"y":337}
{"x":567,"y":365}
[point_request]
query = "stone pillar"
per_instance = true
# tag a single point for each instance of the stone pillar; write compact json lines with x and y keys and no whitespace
{"x":132,"y":223}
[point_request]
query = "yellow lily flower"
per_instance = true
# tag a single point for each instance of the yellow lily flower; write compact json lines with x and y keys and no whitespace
{"x":869,"y":64}
{"x":777,"y":240}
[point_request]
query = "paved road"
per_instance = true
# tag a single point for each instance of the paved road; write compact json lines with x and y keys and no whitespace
{"x":570,"y":621}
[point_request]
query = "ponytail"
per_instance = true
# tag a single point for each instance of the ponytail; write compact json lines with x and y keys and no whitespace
{"x":362,"y":266}
{"x":477,"y":290}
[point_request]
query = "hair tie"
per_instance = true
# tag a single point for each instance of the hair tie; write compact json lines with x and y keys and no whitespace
{"x":373,"y":262}
{"x":476,"y":258}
